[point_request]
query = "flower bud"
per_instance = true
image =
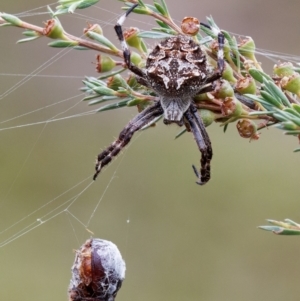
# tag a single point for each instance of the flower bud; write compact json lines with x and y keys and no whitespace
{"x":97,"y":272}
{"x":223,"y":89}
{"x":116,"y":81}
{"x":190,"y":26}
{"x":104,"y":63}
{"x":54,"y":30}
{"x":208,"y":117}
{"x":247,"y":129}
{"x":94,"y":28}
{"x":248,"y":64}
{"x":136,"y":59}
{"x":246,"y":85}
{"x":247,"y":48}
{"x":291,"y":83}
{"x":228,"y":74}
{"x":132,"y":38}
{"x":231,"y":107}
{"x":283,"y":69}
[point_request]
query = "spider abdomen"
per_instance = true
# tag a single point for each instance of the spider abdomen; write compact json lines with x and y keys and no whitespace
{"x":177,"y":67}
{"x":176,"y":70}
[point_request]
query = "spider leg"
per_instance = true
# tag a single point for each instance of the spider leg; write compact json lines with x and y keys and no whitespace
{"x":221,"y":63}
{"x":202,"y":139}
{"x":142,"y":119}
{"x":119,"y":31}
{"x":126,"y":51}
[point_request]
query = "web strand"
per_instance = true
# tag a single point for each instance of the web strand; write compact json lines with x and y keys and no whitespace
{"x":68,"y":203}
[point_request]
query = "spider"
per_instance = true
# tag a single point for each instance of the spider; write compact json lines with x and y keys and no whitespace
{"x":176,"y":70}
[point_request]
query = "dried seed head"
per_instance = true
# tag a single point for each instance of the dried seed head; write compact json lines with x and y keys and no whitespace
{"x":283,"y":69}
{"x":97,"y":272}
{"x":116,"y":82}
{"x":291,"y":83}
{"x":94,"y":28}
{"x":231,"y":107}
{"x":190,"y":26}
{"x":104,"y":63}
{"x":247,"y":48}
{"x":223,"y":89}
{"x":249,"y":64}
{"x":247,"y":129}
{"x":54,"y":30}
{"x":246,"y":85}
{"x":132,"y":38}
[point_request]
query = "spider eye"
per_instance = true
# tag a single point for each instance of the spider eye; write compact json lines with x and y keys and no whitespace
{"x":97,"y":272}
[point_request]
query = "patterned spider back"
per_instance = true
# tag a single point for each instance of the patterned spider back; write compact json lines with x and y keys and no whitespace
{"x":177,"y":67}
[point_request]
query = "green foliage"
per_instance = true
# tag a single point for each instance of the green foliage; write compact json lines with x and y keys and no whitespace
{"x":69,"y":6}
{"x":288,"y":227}
{"x":270,"y":100}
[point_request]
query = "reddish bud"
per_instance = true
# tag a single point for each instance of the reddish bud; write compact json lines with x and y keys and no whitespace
{"x":283,"y":69}
{"x":104,"y":63}
{"x":231,"y":106}
{"x":247,"y":48}
{"x":291,"y":83}
{"x":54,"y":30}
{"x":94,"y":28}
{"x":223,"y":89}
{"x":190,"y":26}
{"x":246,"y":85}
{"x":247,"y":129}
{"x":132,"y":38}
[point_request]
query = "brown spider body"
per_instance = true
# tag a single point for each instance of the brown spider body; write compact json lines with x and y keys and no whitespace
{"x":176,"y":70}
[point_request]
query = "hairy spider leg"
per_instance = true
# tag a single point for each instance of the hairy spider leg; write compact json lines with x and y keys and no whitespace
{"x":142,"y":119}
{"x":220,"y":55}
{"x":202,"y":139}
{"x":126,"y":51}
{"x":195,"y":122}
{"x":119,"y":31}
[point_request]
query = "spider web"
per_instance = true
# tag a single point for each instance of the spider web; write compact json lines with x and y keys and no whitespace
{"x":32,"y":205}
{"x":60,"y":111}
{"x":48,"y":136}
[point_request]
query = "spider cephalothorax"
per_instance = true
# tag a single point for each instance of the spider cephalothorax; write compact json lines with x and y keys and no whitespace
{"x":176,"y":70}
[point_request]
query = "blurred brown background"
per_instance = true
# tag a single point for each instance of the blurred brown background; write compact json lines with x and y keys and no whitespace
{"x":182,"y":241}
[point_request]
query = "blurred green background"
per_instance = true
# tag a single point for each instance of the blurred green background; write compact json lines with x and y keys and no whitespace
{"x":180,"y":241}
